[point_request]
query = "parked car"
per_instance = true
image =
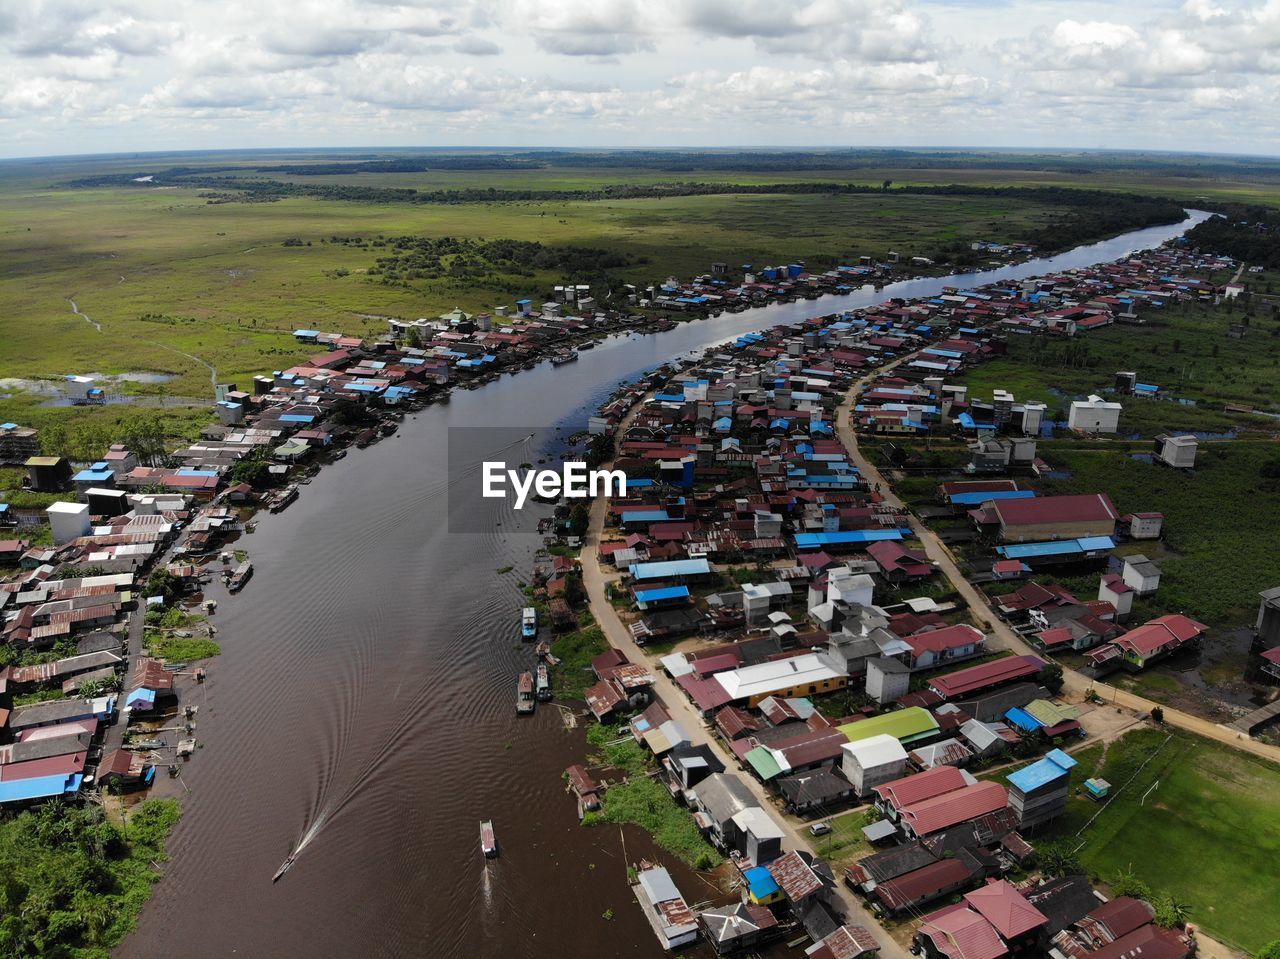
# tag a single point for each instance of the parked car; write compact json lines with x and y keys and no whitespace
{"x":819,"y":829}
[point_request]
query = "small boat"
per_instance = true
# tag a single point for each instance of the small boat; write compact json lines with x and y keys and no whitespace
{"x":529,"y":622}
{"x":286,"y":497}
{"x":525,"y":703}
{"x":587,"y":345}
{"x":488,"y":841}
{"x":568,"y":356}
{"x":145,"y":744}
{"x":543,"y":652}
{"x":542,"y":685}
{"x":240,"y":577}
{"x":284,"y":866}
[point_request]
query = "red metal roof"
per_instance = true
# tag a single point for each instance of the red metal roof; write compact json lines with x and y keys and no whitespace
{"x":961,"y":933}
{"x":1003,"y":906}
{"x":910,"y":790}
{"x":988,"y":674}
{"x":955,"y":807}
{"x":1079,"y":508}
{"x":923,"y":884}
{"x":938,"y":640}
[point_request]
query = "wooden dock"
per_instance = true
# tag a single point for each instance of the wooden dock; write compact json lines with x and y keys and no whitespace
{"x":1259,"y":717}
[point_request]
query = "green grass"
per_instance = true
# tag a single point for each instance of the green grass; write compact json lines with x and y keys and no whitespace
{"x":573,"y":677}
{"x":180,"y":649}
{"x":643,"y":800}
{"x":166,"y":273}
{"x":1205,"y":833}
{"x":1184,"y":350}
{"x":1216,"y":519}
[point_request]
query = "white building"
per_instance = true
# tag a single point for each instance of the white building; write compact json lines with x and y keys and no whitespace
{"x":872,"y":762}
{"x":1032,"y":417}
{"x":1145,"y":525}
{"x":846,"y":586}
{"x":1141,"y":575}
{"x":1094,"y":415}
{"x":68,"y":521}
{"x":1114,"y":590}
{"x":887,"y":679}
{"x":1176,"y":451}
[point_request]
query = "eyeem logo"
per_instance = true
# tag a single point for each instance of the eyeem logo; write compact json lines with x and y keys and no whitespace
{"x":573,"y":480}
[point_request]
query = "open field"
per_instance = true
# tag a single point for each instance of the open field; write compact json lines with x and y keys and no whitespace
{"x":1215,"y":520}
{"x":1197,"y":821}
{"x":1184,"y":350}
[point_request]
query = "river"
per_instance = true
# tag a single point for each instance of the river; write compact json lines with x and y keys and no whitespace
{"x":363,"y":703}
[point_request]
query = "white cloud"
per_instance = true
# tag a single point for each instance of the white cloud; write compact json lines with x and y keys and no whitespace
{"x":112,"y":74}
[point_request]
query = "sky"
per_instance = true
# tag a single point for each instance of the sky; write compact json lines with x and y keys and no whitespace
{"x":139,"y":75}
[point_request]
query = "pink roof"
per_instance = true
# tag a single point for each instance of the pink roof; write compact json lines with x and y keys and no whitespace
{"x":1003,"y":906}
{"x":1115,"y":582}
{"x":1055,"y":637}
{"x":955,"y":807}
{"x":961,"y":933}
{"x":1272,"y":655}
{"x":938,"y":640}
{"x":1174,"y":629}
{"x":1055,"y":509}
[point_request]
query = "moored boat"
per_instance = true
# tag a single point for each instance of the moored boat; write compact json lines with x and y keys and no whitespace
{"x":529,"y":622}
{"x":542,"y":684}
{"x":525,"y":703}
{"x":488,"y":840}
{"x":241,"y":576}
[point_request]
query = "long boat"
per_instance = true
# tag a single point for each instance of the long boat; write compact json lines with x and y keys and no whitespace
{"x":529,"y":622}
{"x":568,"y":356}
{"x":241,"y":576}
{"x":542,"y":684}
{"x":488,"y":840}
{"x":525,"y":703}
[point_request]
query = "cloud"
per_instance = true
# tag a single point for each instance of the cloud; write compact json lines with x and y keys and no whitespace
{"x":477,"y":46}
{"x":110,"y":74}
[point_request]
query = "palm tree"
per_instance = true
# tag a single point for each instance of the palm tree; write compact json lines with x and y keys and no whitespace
{"x":1172,"y":912}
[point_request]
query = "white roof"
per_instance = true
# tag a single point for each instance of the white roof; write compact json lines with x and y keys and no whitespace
{"x":71,"y":509}
{"x":677,"y":665}
{"x":764,"y":678}
{"x":758,"y":822}
{"x":876,"y":751}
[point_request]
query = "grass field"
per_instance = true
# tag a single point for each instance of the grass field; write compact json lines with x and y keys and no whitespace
{"x":204,"y":292}
{"x":1184,"y":350}
{"x":1216,"y":520}
{"x":1197,"y":821}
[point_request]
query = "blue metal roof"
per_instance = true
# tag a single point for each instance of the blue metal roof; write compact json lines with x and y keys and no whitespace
{"x":92,"y":476}
{"x":1055,"y":765}
{"x":646,"y":516}
{"x":815,"y":540}
{"x":975,"y":499}
{"x":657,"y":595}
{"x":39,"y":787}
{"x":297,"y":418}
{"x":675,"y":567}
{"x":1056,"y":548}
{"x":1023,"y":719}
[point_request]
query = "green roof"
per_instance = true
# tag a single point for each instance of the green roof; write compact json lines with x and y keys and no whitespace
{"x":1051,"y":714}
{"x":44,"y":461}
{"x":905,"y":725}
{"x":762,"y":761}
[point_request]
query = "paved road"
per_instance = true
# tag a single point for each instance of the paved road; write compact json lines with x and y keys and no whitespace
{"x":1002,"y":636}
{"x":595,"y":581}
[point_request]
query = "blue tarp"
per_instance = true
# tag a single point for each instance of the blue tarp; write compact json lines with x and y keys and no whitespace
{"x":646,"y":516}
{"x":761,"y":882}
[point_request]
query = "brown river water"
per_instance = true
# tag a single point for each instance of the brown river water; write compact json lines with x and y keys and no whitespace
{"x":363,"y":706}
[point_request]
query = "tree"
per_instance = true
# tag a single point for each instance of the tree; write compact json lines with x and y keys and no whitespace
{"x":1126,"y":883}
{"x":1051,"y":678}
{"x":1057,"y":860}
{"x":1272,"y":949}
{"x":886,"y":184}
{"x":1157,"y":715}
{"x":163,"y":583}
{"x":254,"y":470}
{"x":1171,"y":912}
